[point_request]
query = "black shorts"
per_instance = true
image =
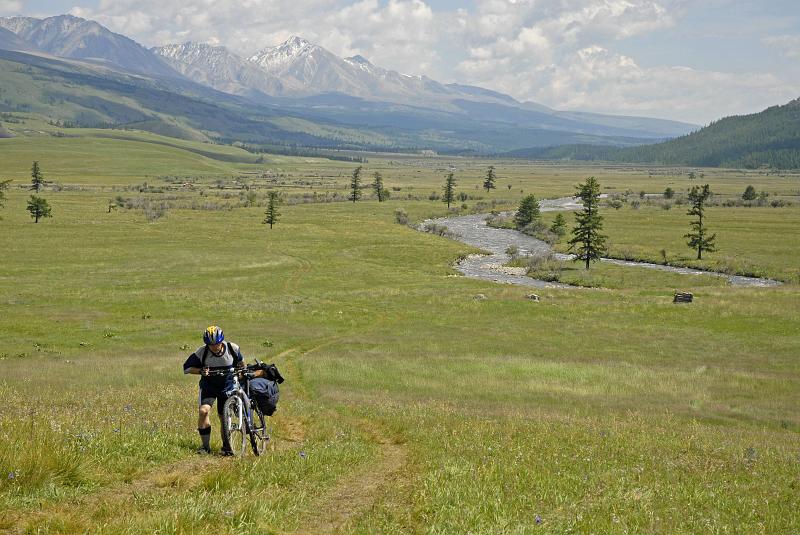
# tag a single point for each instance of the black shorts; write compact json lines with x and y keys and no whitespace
{"x":207,"y":397}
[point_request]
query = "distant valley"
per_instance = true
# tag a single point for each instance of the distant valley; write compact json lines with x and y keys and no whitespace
{"x":299,"y":96}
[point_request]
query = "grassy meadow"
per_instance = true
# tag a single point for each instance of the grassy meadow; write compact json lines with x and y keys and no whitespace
{"x":409,"y":406}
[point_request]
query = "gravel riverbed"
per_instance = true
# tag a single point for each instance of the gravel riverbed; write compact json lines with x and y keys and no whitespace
{"x":472,"y":230}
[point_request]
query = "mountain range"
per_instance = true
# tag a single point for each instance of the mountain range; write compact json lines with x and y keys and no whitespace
{"x":296,"y":87}
{"x":770,"y":138}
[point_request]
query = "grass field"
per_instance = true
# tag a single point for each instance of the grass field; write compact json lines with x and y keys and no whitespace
{"x":409,"y":406}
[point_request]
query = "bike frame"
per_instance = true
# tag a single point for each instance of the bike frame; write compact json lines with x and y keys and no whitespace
{"x":245,"y":405}
{"x":245,"y":401}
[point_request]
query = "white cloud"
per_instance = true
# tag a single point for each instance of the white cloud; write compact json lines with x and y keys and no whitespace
{"x":557,"y":52}
{"x":789,"y":45}
{"x":560,"y":53}
{"x":10,"y":7}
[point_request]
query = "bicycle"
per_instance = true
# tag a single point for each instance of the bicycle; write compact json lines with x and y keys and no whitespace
{"x":241,"y":416}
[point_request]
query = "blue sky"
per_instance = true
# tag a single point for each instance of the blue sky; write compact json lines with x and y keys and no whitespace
{"x":690,"y":60}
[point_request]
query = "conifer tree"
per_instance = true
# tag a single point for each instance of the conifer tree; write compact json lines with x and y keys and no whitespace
{"x":698,"y":237}
{"x":355,"y":184}
{"x":749,"y":193}
{"x":271,"y":214}
{"x":528,"y":212}
{"x":38,"y":207}
{"x":559,"y":226}
{"x":3,"y":187}
{"x":488,"y":183}
{"x":587,"y":242}
{"x":380,"y":191}
{"x":37,"y":179}
{"x":449,"y":189}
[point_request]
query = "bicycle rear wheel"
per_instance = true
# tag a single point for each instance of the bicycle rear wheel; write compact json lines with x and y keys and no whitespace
{"x":234,"y":424}
{"x":259,"y":433}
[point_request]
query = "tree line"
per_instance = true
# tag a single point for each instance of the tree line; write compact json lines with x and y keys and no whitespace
{"x":770,"y":138}
{"x":588,"y":243}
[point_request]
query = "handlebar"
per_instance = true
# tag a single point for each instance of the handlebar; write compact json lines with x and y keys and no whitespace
{"x":247,"y":372}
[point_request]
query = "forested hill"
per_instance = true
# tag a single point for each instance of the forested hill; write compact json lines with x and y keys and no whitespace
{"x":769,"y":138}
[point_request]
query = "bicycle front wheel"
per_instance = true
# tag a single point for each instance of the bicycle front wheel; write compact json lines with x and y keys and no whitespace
{"x":234,"y":424}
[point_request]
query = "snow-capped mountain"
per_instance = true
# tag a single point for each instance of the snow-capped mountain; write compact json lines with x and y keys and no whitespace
{"x":73,"y":37}
{"x":217,"y":67}
{"x":312,"y":67}
{"x":319,"y":71}
{"x":304,"y":78}
{"x":298,"y":68}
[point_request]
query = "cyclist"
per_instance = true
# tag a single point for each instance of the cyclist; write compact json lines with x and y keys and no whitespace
{"x":216,"y":354}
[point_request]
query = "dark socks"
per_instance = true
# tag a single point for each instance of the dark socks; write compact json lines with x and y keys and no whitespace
{"x":205,"y":436}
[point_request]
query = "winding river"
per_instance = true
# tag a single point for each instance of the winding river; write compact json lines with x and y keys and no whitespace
{"x":472,"y":230}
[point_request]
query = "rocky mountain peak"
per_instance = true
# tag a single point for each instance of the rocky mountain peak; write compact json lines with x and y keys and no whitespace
{"x":187,"y":49}
{"x":277,"y":58}
{"x":358,"y":59}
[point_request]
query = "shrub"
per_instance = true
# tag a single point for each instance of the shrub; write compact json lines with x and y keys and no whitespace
{"x":439,"y":230}
{"x":154,"y":211}
{"x":544,"y":266}
{"x":499,"y":221}
{"x":534,"y":228}
{"x":401,"y":216}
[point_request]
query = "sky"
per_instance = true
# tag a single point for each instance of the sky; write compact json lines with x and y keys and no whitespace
{"x":688,"y":60}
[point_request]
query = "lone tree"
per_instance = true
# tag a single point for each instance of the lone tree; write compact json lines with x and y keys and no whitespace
{"x":559,"y":226}
{"x":488,"y":182}
{"x":271,"y":214}
{"x":698,"y":238}
{"x":669,"y":193}
{"x":355,"y":184}
{"x":380,"y":191}
{"x":449,"y":189}
{"x":587,"y":242}
{"x":38,"y":207}
{"x":749,"y":193}
{"x":528,"y":212}
{"x":3,"y":187}
{"x":37,"y":179}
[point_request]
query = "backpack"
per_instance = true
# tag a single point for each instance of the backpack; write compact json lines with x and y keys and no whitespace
{"x":265,"y":393}
{"x":206,"y":351}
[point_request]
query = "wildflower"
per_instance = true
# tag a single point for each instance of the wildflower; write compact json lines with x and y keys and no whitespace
{"x":302,"y":455}
{"x":12,"y":475}
{"x":537,"y":519}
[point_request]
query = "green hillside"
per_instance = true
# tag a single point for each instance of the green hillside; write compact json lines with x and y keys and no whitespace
{"x":75,"y":95}
{"x":770,"y":138}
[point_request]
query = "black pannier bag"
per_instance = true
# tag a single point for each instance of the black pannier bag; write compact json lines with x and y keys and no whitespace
{"x":265,"y":393}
